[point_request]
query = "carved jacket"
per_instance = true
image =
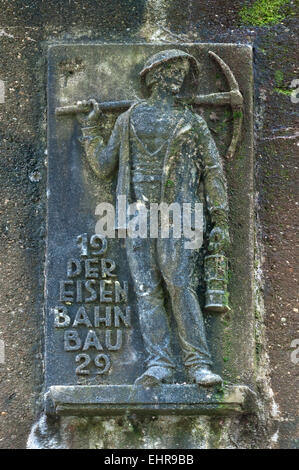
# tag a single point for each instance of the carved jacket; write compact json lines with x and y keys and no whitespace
{"x":191,"y":155}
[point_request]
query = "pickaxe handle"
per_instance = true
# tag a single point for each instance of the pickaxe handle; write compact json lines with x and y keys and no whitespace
{"x":86,"y":108}
{"x":233,"y":98}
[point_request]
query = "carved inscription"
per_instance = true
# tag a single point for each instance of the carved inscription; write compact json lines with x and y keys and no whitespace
{"x":92,"y":307}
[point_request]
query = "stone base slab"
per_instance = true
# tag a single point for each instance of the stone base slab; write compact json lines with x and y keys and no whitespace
{"x":162,"y":400}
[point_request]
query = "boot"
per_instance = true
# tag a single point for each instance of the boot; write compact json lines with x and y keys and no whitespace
{"x":204,"y":376}
{"x":154,"y":376}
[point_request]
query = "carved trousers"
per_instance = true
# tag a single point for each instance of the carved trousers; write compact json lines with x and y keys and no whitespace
{"x":154,"y":262}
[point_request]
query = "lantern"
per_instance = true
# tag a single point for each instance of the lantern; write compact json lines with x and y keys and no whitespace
{"x":216,"y":277}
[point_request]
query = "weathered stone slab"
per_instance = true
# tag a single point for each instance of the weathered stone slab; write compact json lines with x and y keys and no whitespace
{"x":77,"y":293}
{"x":167,"y":399}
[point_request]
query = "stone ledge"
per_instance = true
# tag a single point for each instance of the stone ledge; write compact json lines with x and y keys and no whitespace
{"x":163,"y":400}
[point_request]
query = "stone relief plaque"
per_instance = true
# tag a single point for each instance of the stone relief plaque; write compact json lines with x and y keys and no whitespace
{"x":138,"y":319}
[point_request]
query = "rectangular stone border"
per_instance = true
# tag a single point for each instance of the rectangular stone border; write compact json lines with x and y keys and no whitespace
{"x":235,"y":357}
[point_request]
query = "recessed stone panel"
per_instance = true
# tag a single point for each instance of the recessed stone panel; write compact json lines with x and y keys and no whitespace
{"x":93,"y":335}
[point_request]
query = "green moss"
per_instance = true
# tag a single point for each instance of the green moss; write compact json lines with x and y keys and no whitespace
{"x":170,"y":183}
{"x":227,"y":345}
{"x":227,"y":114}
{"x":280,"y":88}
{"x":284,"y":173}
{"x":258,"y":350}
{"x":219,"y":393}
{"x":283,"y":91}
{"x":278,"y":77}
{"x":263,"y":12}
{"x":225,"y":322}
{"x":237,"y":114}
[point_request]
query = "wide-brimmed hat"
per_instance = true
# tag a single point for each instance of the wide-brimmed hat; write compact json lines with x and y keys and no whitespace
{"x":167,"y":56}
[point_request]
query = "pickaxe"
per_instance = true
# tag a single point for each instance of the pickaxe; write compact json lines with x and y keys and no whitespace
{"x":233,"y":98}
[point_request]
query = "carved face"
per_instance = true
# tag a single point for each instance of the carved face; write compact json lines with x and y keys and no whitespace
{"x":169,"y":75}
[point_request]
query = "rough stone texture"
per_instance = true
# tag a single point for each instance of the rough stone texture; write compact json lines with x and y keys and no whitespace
{"x":26,"y":28}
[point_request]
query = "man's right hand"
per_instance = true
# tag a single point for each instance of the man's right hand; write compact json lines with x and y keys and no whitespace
{"x":95,"y":112}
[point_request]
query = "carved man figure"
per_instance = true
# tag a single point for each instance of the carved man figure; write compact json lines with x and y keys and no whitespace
{"x":161,"y":151}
